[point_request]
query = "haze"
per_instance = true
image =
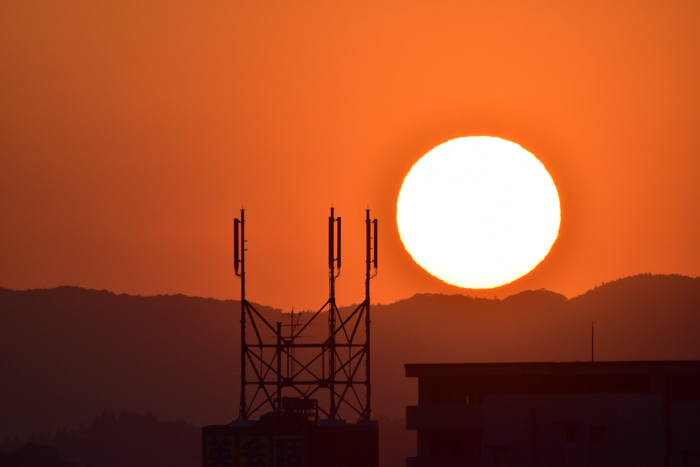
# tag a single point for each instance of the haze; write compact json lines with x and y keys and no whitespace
{"x":131,"y":133}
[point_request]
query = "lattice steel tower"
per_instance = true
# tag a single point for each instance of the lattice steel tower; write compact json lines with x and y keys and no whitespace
{"x":281,"y":373}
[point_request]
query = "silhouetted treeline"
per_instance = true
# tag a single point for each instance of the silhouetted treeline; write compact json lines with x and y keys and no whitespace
{"x":34,"y":455}
{"x":127,"y":439}
{"x":142,"y":440}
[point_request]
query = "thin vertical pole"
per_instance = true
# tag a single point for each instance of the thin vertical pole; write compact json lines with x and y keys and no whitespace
{"x":243,"y":410}
{"x":279,"y":367}
{"x":368,"y":269}
{"x":331,"y":314}
{"x":290,"y":347}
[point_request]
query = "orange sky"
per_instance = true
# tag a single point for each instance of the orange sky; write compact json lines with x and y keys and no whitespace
{"x":131,"y":133}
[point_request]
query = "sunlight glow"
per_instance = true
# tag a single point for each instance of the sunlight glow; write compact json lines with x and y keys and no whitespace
{"x":478,"y":212}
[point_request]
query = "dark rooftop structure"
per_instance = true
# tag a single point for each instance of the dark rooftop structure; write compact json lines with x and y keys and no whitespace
{"x":302,"y":391}
{"x":556,"y":413}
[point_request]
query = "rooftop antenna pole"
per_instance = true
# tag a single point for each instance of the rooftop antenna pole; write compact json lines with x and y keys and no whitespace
{"x":279,"y":366}
{"x":333,"y":258}
{"x":239,"y":265}
{"x":370,"y":260}
{"x":290,"y":353}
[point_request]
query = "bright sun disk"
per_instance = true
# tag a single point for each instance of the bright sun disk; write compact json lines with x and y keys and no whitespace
{"x":478,"y":212}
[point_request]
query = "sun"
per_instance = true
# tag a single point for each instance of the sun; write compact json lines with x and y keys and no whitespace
{"x":478,"y":212}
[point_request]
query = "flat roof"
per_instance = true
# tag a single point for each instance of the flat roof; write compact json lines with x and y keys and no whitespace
{"x":549,"y":368}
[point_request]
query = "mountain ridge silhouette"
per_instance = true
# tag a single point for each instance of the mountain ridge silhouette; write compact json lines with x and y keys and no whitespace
{"x":68,"y":353}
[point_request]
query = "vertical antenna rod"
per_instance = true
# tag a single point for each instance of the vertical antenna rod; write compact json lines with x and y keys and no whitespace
{"x":278,"y":356}
{"x":368,"y":277}
{"x":239,"y":264}
{"x":333,"y":258}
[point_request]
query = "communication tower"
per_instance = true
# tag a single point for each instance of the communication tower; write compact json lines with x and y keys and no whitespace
{"x":297,"y":380}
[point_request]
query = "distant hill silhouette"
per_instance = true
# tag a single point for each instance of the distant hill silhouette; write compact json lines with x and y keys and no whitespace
{"x":69,"y":353}
{"x":654,"y":317}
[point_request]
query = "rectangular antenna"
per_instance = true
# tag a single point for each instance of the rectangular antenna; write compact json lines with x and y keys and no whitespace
{"x":330,"y":241}
{"x":376,"y":231}
{"x":338,"y":243}
{"x":236,"y":260}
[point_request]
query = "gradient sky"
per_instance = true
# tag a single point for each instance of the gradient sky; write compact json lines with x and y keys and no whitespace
{"x":132,"y":132}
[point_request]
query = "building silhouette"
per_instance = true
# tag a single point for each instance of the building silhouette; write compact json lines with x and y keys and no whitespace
{"x":644,"y":413}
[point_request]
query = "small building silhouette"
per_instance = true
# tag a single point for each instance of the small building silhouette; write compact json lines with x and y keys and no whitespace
{"x":293,"y":437}
{"x":556,"y":414}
